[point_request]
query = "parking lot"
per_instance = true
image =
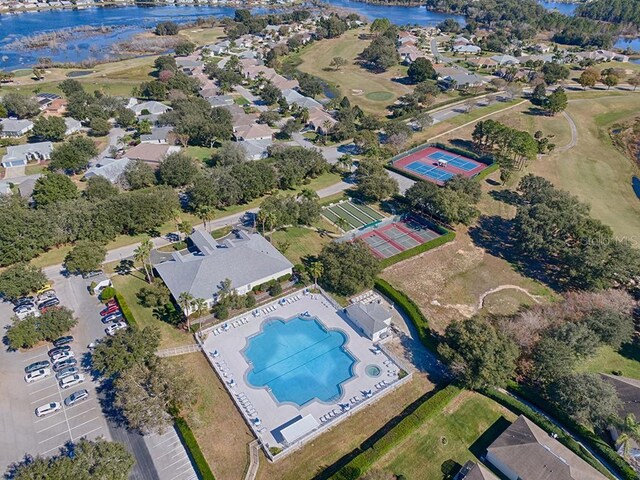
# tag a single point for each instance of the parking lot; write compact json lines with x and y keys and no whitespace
{"x":24,"y":432}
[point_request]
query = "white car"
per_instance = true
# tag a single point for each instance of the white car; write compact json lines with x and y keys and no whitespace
{"x":112,"y":329}
{"x":24,"y":312}
{"x":62,"y":356}
{"x":48,"y":408}
{"x":37,"y":375}
{"x":68,"y":382}
{"x":76,"y":397}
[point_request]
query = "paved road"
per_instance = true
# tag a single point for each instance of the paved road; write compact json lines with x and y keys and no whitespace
{"x":574,"y":134}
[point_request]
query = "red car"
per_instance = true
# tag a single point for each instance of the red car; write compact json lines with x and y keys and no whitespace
{"x":111,"y":303}
{"x":109,"y":310}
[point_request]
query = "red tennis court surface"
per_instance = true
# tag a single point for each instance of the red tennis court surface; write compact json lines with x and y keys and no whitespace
{"x":436,"y":165}
{"x":391,"y":239}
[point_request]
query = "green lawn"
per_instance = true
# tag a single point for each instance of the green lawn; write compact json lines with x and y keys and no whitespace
{"x":303,"y":242}
{"x":241,"y":101}
{"x":608,"y":361}
{"x":468,"y":425}
{"x":203,"y":154}
{"x":129,"y":286}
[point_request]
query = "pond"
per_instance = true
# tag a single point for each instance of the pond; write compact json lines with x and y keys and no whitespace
{"x":635,"y":183}
{"x":562,"y":7}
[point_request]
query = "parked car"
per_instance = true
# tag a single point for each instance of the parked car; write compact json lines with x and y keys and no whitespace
{"x":114,"y":317}
{"x":52,"y":302}
{"x":47,"y":295}
{"x":66,"y":372}
{"x":76,"y":397}
{"x":109,"y":310}
{"x":71,"y":381}
{"x":112,"y":329}
{"x":94,"y":344}
{"x":24,"y":305}
{"x":59,"y":342}
{"x":37,"y":375}
{"x":111,"y":303}
{"x":23,"y":301}
{"x":63,"y":348}
{"x":61,"y":364}
{"x":36,"y":366}
{"x":48,"y":408}
{"x":45,"y":287}
{"x":92,"y":274}
{"x":26,"y":310}
{"x":62,"y":356}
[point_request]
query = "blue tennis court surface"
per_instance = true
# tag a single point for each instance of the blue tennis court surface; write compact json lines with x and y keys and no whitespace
{"x":299,"y":360}
{"x":430,"y":171}
{"x":454,"y":160}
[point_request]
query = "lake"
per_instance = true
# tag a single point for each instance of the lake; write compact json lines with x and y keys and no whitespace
{"x":565,"y":8}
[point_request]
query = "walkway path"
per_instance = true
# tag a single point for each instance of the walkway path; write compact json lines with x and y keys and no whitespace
{"x":176,"y":351}
{"x":574,"y":134}
{"x":480,"y":304}
{"x":254,"y":460}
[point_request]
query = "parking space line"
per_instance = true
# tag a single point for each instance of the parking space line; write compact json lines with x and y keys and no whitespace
{"x":84,"y":423}
{"x":177,"y":451}
{"x":54,"y":448}
{"x":185,"y":469}
{"x":177,"y":461}
{"x":51,"y":426}
{"x":48,"y":417}
{"x":42,"y":398}
{"x":164,"y":454}
{"x":42,"y":389}
{"x":171,"y":437}
{"x":53,"y":436}
{"x":91,"y":431}
{"x":81,"y":413}
{"x":30,"y":359}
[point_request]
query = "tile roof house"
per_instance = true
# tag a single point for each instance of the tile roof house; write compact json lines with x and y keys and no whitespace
{"x":256,"y":149}
{"x":482,"y":62}
{"x":525,"y":451}
{"x":19,"y":155}
{"x":474,"y":471}
{"x":220,"y":100}
{"x":318,"y":118}
{"x":15,"y":128}
{"x":245,"y":259}
{"x":158,"y":135}
{"x":253,"y":131}
{"x":463,"y":80}
{"x":153,"y":107}
{"x":505,"y":60}
{"x":295,"y":97}
{"x":56,"y":108}
{"x":371,"y":318}
{"x":109,"y":168}
{"x":467,"y":49}
{"x":151,"y":153}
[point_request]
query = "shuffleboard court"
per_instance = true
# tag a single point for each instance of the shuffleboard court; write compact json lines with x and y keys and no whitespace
{"x":354,"y":215}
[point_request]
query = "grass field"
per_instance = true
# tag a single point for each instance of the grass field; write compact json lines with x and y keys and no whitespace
{"x":608,"y":361}
{"x":129,"y":286}
{"x":469,"y":424}
{"x":303,"y":242}
{"x":348,"y":435}
{"x":221,"y":433}
{"x":371,"y":91}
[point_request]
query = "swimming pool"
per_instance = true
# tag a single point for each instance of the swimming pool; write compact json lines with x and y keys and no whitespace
{"x":299,"y":360}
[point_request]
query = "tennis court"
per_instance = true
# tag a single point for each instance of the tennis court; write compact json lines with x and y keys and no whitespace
{"x":396,"y":237}
{"x":436,"y":165}
{"x":354,"y":215}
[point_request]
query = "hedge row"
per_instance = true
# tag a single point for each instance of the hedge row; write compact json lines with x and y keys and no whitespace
{"x":411,"y":310}
{"x":597,"y":444}
{"x":431,"y":244}
{"x":486,"y":159}
{"x":190,"y":442}
{"x":126,"y":311}
{"x":486,"y":172}
{"x":359,"y":465}
{"x":520,"y":408}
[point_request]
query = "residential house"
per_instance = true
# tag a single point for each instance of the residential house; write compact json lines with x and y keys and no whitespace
{"x":525,"y":451}
{"x":503,"y":60}
{"x":254,"y":131}
{"x":219,"y":48}
{"x":474,"y":471}
{"x":482,"y":62}
{"x":409,"y":53}
{"x":247,"y":260}
{"x":151,"y":153}
{"x":256,"y":149}
{"x":109,"y":168}
{"x":293,"y":97}
{"x":189,"y":65}
{"x":239,"y":117}
{"x":604,"y":56}
{"x":158,"y":135}
{"x":73,"y":125}
{"x":284,"y":83}
{"x":372,"y":319}
{"x":461,"y":81}
{"x":45,"y":99}
{"x":15,"y":128}
{"x":149,"y":108}
{"x":467,"y":49}
{"x":57,"y":108}
{"x":220,"y":100}
{"x":628,"y":390}
{"x":20,"y":155}
{"x":320,"y":121}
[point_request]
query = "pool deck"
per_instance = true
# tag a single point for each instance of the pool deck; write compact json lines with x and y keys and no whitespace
{"x":230,"y":364}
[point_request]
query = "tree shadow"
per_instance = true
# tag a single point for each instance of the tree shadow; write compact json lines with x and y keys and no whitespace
{"x":449,"y":469}
{"x":168,"y":314}
{"x":506,"y":196}
{"x":631,"y":350}
{"x":463,"y":143}
{"x":106,"y":398}
{"x":536,"y":111}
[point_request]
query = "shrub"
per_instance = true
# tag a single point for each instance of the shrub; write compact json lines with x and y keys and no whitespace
{"x":250,"y":300}
{"x":411,"y":310}
{"x":190,"y":442}
{"x":275,"y":289}
{"x":221,"y":311}
{"x":274,"y":450}
{"x":425,"y":247}
{"x":126,"y":311}
{"x":107,"y":294}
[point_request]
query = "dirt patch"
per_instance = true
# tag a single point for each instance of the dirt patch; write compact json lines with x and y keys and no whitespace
{"x":457,"y":402}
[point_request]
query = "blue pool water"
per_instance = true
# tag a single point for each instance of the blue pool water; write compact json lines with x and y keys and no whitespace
{"x":299,"y":360}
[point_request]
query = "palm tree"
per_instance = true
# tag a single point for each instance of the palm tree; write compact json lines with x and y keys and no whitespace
{"x":345,"y":162}
{"x":342,"y":224}
{"x":316,"y":269}
{"x":186,"y":301}
{"x":142,"y":254}
{"x":206,"y":213}
{"x":629,"y":431}
{"x":267,"y":219}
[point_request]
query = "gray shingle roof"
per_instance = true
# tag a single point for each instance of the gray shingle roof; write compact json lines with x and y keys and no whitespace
{"x":244,"y":260}
{"x":371,"y":317}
